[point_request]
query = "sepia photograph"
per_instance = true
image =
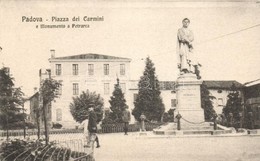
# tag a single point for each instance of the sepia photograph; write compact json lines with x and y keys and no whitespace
{"x":148,"y":80}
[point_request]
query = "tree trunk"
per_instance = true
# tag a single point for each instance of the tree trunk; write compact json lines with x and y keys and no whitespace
{"x":7,"y":128}
{"x":38,"y":125}
{"x":46,"y":133}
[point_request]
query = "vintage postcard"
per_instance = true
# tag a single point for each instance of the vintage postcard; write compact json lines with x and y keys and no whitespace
{"x":149,"y":80}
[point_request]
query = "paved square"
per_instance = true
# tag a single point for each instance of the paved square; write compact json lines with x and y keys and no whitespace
{"x":120,"y":147}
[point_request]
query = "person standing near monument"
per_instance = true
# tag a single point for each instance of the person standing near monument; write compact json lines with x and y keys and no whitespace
{"x":126,"y":119}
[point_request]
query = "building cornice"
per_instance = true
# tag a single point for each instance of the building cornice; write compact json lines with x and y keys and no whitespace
{"x":51,"y":60}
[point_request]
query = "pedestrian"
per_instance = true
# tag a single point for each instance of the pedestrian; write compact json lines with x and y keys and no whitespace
{"x":126,"y":119}
{"x":92,"y":126}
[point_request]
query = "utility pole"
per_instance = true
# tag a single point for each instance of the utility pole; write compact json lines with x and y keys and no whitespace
{"x":24,"y":124}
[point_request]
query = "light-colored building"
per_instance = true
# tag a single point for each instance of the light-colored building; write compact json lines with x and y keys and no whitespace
{"x":93,"y":72}
{"x":167,"y":89}
{"x":220,"y":90}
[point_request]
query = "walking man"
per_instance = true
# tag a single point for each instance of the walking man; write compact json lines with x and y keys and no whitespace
{"x":92,"y":126}
{"x":126,"y":118}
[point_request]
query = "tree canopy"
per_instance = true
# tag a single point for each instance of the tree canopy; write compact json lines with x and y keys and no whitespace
{"x":11,"y":99}
{"x":234,"y":103}
{"x":48,"y":92}
{"x":117,"y":105}
{"x":206,"y":102}
{"x":149,"y":101}
{"x":80,"y":105}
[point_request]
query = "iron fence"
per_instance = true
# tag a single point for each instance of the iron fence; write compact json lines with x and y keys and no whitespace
{"x":107,"y":128}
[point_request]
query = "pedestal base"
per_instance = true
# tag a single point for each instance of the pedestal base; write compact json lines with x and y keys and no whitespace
{"x":188,"y":98}
{"x":193,"y":116}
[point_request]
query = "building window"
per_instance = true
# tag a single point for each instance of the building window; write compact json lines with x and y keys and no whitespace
{"x":58,"y":69}
{"x":75,"y":88}
{"x":123,"y":88}
{"x":106,"y":88}
{"x":106,"y":69}
{"x":75,"y":69}
{"x":90,"y":69}
{"x":173,"y":102}
{"x":135,"y":96}
{"x":220,"y":101}
{"x":58,"y":114}
{"x":122,"y":69}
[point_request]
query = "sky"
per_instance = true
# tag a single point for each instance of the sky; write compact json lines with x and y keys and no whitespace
{"x":227,"y":39}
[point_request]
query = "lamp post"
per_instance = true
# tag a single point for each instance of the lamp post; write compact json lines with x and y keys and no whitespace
{"x":24,"y":125}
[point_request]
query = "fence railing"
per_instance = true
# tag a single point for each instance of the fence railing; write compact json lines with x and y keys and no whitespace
{"x":115,"y":128}
{"x":107,"y":128}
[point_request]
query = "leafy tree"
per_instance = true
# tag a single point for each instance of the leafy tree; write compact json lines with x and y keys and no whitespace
{"x":48,"y":92}
{"x":117,"y":104}
{"x":107,"y":119}
{"x":149,"y":101}
{"x":234,"y":103}
{"x":206,"y":102}
{"x":10,"y":100}
{"x":79,"y":106}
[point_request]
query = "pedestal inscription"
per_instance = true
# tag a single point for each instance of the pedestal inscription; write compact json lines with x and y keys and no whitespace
{"x":188,"y":98}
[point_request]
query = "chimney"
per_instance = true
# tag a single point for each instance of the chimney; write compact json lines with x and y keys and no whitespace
{"x":52,"y":53}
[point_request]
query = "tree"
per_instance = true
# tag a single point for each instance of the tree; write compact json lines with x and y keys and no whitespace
{"x":117,"y":104}
{"x":79,"y":106}
{"x":10,"y":100}
{"x":206,"y":102}
{"x":234,"y":103}
{"x":149,"y":101}
{"x":48,"y":92}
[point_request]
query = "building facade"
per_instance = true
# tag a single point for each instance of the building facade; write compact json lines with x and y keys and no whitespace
{"x":220,"y":90}
{"x":252,"y":100}
{"x":93,"y":72}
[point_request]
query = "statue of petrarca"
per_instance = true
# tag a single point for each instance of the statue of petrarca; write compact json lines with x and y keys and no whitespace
{"x":186,"y":59}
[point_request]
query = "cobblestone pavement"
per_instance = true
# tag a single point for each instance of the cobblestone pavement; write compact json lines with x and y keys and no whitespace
{"x":120,"y":147}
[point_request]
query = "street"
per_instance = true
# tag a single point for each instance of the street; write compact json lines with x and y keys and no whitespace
{"x":120,"y":147}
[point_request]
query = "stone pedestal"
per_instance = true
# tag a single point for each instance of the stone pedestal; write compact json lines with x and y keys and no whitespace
{"x":188,"y":98}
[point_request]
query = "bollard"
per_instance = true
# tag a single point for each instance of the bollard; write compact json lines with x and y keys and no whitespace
{"x":142,"y":117}
{"x":215,"y":121}
{"x":178,"y":117}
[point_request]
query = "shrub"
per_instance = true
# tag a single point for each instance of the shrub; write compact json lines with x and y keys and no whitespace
{"x":20,"y":125}
{"x":56,"y":126}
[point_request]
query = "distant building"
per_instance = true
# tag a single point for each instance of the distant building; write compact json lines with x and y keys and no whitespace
{"x":220,"y":90}
{"x":252,"y":100}
{"x":167,"y":89}
{"x":93,"y":72}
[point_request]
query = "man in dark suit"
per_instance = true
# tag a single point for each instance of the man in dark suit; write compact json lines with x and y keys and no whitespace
{"x":126,"y":118}
{"x":92,"y":125}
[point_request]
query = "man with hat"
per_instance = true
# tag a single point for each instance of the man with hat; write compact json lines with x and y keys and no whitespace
{"x":92,"y":124}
